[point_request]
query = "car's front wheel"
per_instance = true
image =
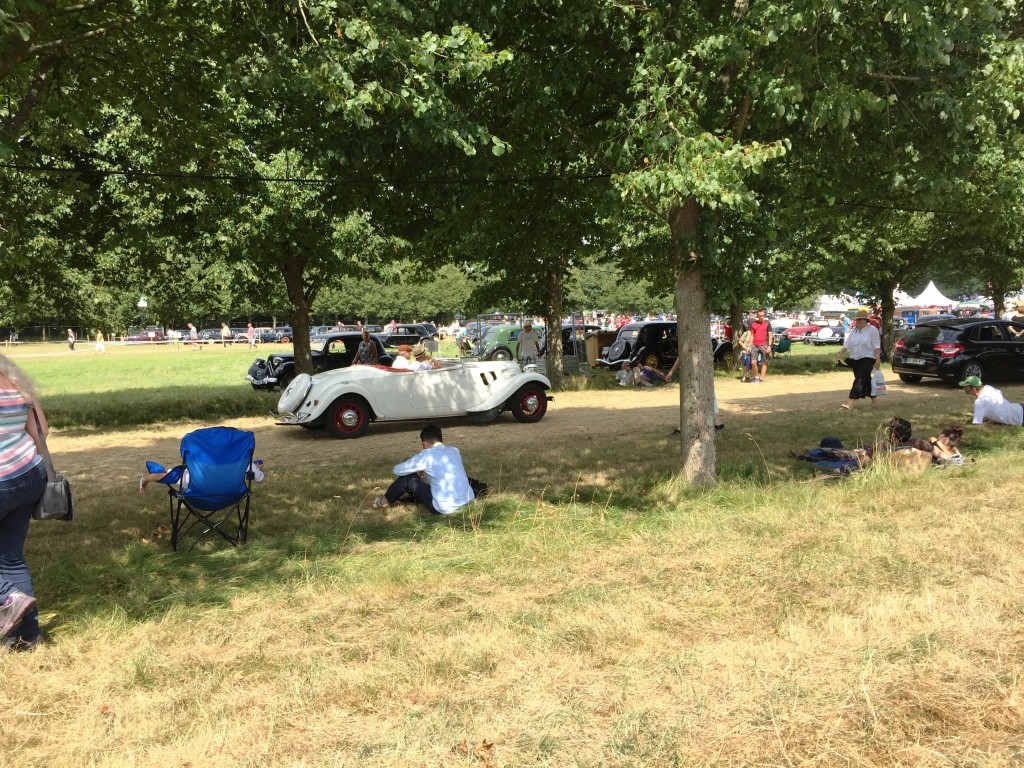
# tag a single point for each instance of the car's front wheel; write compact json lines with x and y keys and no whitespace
{"x":652,"y":360}
{"x":501,"y":354}
{"x":285,"y":339}
{"x":348,"y":417}
{"x":529,"y":404}
{"x":910,"y":378}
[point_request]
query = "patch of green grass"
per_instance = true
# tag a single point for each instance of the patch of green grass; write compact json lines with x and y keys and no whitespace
{"x":144,"y":385}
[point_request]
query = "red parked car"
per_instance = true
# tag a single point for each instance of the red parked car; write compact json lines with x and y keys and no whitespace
{"x":798,"y":332}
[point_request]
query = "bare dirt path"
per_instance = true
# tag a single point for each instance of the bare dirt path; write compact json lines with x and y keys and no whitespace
{"x":603,"y":415}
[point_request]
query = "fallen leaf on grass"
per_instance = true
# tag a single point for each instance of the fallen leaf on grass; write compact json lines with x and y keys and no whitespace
{"x":158,"y":533}
{"x":484,"y":753}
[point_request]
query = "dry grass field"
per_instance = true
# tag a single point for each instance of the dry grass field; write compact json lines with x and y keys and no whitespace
{"x":585,"y":615}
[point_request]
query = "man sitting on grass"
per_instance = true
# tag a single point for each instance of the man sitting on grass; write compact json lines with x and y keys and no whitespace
{"x":990,"y":407}
{"x":446,"y":487}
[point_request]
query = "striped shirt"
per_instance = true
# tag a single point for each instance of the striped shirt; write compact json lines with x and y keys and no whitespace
{"x":17,"y":448}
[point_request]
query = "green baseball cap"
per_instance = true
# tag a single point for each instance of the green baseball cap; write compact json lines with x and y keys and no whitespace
{"x":970,"y":381}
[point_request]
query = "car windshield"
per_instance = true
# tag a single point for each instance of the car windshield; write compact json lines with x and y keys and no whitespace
{"x":629,"y":334}
{"x":931,"y":334}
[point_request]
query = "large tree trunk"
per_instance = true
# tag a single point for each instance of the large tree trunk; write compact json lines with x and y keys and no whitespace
{"x":998,"y":293}
{"x":553,"y":329}
{"x":696,"y":366}
{"x":292,"y":270}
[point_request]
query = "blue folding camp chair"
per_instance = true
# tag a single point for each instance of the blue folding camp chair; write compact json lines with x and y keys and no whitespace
{"x":211,"y":488}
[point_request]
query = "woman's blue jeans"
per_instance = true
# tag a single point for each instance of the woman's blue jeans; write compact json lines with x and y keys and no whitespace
{"x":18,"y":497}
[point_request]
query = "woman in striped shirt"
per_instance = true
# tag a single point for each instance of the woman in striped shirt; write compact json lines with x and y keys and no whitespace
{"x":22,"y":479}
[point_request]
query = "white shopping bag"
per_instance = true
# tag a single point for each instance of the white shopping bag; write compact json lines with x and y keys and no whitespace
{"x":878,"y":383}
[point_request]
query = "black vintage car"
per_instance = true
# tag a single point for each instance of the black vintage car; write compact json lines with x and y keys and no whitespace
{"x":954,"y":348}
{"x":406,"y":333}
{"x":329,"y":351}
{"x":653,"y":343}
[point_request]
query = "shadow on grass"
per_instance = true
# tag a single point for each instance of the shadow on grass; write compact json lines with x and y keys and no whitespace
{"x":312,"y":514}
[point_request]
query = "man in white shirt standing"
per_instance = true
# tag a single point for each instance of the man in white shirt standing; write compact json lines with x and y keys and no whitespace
{"x":990,"y":407}
{"x":529,"y":345}
{"x":445,"y":486}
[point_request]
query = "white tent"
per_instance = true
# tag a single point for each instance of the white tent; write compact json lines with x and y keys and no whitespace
{"x":901,"y":298}
{"x":932,"y":297}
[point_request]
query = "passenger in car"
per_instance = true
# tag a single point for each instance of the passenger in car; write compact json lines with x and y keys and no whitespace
{"x":423,"y":361}
{"x":990,"y":407}
{"x":402,"y":361}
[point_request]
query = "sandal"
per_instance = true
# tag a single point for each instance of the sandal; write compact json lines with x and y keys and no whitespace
{"x":846,"y":407}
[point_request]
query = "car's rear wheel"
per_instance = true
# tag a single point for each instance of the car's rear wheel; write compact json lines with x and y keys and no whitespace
{"x":529,"y":404}
{"x":501,"y":354}
{"x":348,"y":417}
{"x":973,"y":368}
{"x":910,"y":378}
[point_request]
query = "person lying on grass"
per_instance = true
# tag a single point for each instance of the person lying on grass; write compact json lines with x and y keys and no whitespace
{"x":990,"y":407}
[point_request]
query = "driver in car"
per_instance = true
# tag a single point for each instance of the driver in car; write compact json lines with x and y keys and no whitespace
{"x":402,"y":361}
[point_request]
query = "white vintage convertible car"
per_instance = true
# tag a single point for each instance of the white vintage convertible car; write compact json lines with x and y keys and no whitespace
{"x":346,"y":400}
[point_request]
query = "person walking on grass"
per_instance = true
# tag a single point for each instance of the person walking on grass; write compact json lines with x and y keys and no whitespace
{"x":444,"y":487}
{"x":225,"y":334}
{"x":745,"y":341}
{"x":71,"y":340}
{"x":101,"y":347}
{"x":863,"y":353}
{"x":22,"y":480}
{"x":761,"y":345}
{"x":990,"y":407}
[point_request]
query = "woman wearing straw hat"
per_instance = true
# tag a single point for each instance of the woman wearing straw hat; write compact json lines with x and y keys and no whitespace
{"x":863,"y":349}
